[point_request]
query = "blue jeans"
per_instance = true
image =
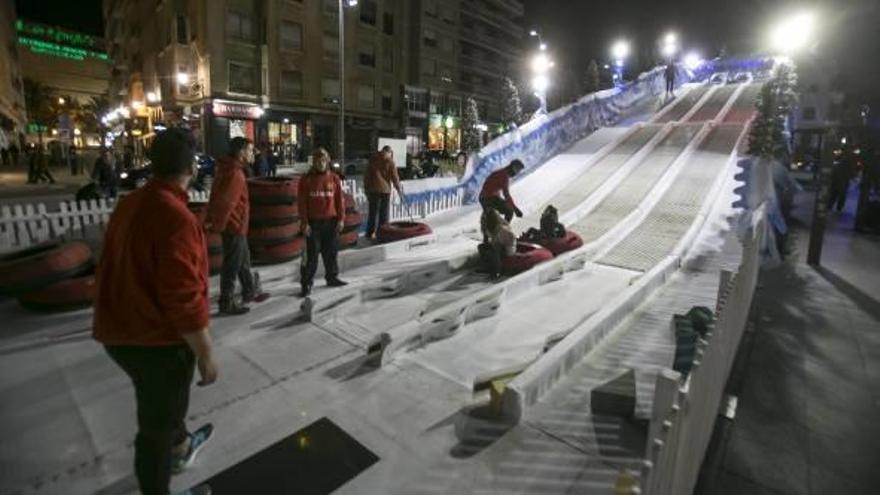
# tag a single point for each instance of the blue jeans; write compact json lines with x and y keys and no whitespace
{"x":377,"y":215}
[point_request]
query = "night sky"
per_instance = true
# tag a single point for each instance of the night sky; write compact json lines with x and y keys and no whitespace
{"x":578,"y":30}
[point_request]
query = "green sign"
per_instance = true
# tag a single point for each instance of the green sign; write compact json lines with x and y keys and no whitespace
{"x":55,"y":34}
{"x":63,"y":51}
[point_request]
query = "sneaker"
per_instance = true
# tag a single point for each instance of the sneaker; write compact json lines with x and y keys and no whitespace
{"x":256,"y":292}
{"x":197,"y":440}
{"x":202,"y":489}
{"x":335,"y":282}
{"x":305,"y":290}
{"x":231,"y":308}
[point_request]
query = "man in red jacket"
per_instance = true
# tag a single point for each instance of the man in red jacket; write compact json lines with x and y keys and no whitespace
{"x":151,"y":310}
{"x":321,"y":208}
{"x":496,"y":191}
{"x":229,"y":214}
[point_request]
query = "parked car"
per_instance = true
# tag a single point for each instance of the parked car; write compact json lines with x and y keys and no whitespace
{"x":356,"y":165}
{"x":135,"y":177}
{"x":740,"y":77}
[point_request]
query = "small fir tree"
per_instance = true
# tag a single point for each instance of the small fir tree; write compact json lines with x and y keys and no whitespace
{"x":472,"y":138}
{"x":512,"y":114}
{"x":591,"y":80}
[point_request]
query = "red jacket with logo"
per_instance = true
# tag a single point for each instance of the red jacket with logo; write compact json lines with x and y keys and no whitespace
{"x":320,"y":197}
{"x":229,"y":207}
{"x":152,"y":278}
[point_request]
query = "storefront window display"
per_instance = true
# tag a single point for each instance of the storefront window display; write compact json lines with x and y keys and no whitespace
{"x":444,"y":133}
{"x":284,"y":140}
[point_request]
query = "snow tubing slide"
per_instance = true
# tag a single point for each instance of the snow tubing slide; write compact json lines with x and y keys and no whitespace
{"x":42,"y":265}
{"x":273,"y":190}
{"x":558,"y":245}
{"x":66,"y":295}
{"x":398,"y":231}
{"x":527,"y":255}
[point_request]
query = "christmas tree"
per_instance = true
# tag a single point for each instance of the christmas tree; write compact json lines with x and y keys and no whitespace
{"x":512,"y":111}
{"x":775,"y":103}
{"x":472,"y":138}
{"x":591,"y":81}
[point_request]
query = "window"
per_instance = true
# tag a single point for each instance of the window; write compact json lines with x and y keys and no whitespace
{"x":448,"y":16}
{"x":368,"y":12}
{"x":291,"y":36}
{"x":387,"y":104}
{"x":446,"y":45}
{"x":239,"y":26}
{"x":415,"y":101}
{"x":430,"y":8}
{"x":291,"y":83}
{"x":388,"y":60}
{"x":436,"y":104}
{"x":367,"y":55}
{"x":454,"y":106}
{"x":430,"y":38}
{"x":809,"y":113}
{"x":330,"y":90}
{"x":182,"y":38}
{"x":331,"y":46}
{"x":366,"y":96}
{"x":242,"y":78}
{"x":388,"y":23}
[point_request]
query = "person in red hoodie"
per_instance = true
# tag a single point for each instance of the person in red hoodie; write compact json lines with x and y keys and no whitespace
{"x":229,"y":214}
{"x":495,"y":193}
{"x":322,"y":216}
{"x":151,"y":310}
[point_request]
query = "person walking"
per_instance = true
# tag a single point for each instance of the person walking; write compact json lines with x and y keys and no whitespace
{"x":41,"y":166}
{"x":322,"y":216}
{"x":669,"y":74}
{"x":104,"y":174}
{"x":495,"y":193}
{"x":380,"y":176}
{"x":229,"y":214}
{"x":151,"y":311}
{"x":841,"y":175}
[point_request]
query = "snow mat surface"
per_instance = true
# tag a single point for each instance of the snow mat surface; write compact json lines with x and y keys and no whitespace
{"x":682,"y":105}
{"x":710,"y":108}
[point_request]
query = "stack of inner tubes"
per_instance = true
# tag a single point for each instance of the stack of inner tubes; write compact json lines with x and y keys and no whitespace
{"x":353,"y":220}
{"x":54,"y":276}
{"x":274,"y":232}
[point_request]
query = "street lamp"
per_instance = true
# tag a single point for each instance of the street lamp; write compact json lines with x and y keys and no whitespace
{"x":793,"y":33}
{"x":692,"y":60}
{"x":670,"y":46}
{"x":60,"y":100}
{"x":342,"y":5}
{"x":619,"y":51}
{"x":541,"y":65}
{"x":182,"y":78}
{"x":153,"y":97}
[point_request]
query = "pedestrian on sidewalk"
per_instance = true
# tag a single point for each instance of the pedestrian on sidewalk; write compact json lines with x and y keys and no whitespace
{"x":40,"y":166}
{"x":151,"y":311}
{"x":496,"y":191}
{"x":669,"y":74}
{"x":841,"y":175}
{"x":104,"y":174}
{"x":499,"y":241}
{"x":322,"y":216}
{"x":380,"y":177}
{"x":229,"y":214}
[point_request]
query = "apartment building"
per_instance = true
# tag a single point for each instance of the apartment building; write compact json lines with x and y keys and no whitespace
{"x":269,"y":69}
{"x":12,"y":108}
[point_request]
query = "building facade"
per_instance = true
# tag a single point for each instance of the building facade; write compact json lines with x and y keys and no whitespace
{"x":268,"y":70}
{"x":74,"y":69}
{"x":12,"y":108}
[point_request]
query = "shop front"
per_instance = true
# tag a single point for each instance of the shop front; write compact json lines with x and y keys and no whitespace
{"x":444,"y":133}
{"x":230,"y":119}
{"x":285,"y":135}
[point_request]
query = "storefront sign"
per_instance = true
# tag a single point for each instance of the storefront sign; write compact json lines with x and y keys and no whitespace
{"x":235,"y":110}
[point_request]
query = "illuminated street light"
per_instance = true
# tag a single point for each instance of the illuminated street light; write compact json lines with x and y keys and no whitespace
{"x":670,"y":39}
{"x":669,"y":51}
{"x":533,"y":33}
{"x":540,"y":83}
{"x":60,"y":100}
{"x":693,"y":60}
{"x":620,"y":50}
{"x":137,"y":105}
{"x":540,"y":63}
{"x":793,"y":33}
{"x":182,"y":78}
{"x":153,"y":97}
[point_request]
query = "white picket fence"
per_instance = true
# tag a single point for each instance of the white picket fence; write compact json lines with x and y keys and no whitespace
{"x":23,"y":225}
{"x":684,"y":412}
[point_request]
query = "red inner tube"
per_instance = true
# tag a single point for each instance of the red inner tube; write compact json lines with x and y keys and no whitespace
{"x":273,"y":234}
{"x":558,"y":245}
{"x":42,"y":265}
{"x":347,"y":239}
{"x":273,"y":190}
{"x":398,"y":231}
{"x":278,"y":253}
{"x":67,"y":294}
{"x":261,"y":212}
{"x":527,"y":255}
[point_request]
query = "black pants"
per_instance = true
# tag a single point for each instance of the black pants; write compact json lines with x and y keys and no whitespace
{"x":236,"y":266}
{"x":324,"y":240}
{"x":161,"y":378}
{"x":490,"y":256}
{"x":498,"y":204}
{"x":378,"y":211}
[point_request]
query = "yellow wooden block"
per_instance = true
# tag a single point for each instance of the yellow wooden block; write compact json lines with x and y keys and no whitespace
{"x":626,"y":483}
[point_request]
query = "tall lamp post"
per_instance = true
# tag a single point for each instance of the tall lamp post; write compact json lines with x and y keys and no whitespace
{"x":541,"y":66}
{"x":342,"y":5}
{"x":619,"y":52}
